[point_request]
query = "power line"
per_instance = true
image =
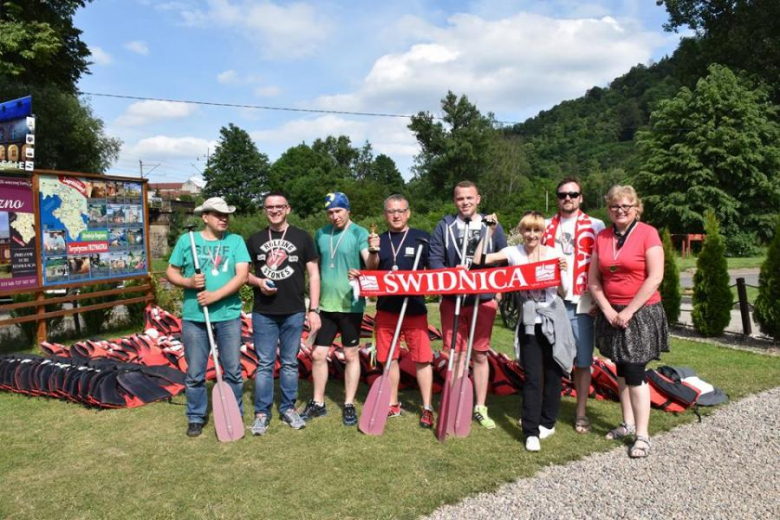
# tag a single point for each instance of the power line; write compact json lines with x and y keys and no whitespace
{"x":267,"y":107}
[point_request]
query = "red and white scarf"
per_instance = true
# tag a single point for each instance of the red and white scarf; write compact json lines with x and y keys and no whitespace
{"x":584,"y":240}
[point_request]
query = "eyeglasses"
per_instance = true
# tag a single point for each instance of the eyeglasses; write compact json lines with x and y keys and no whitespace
{"x":571,"y":194}
{"x":625,"y":208}
{"x":396,"y":211}
{"x":275,"y":208}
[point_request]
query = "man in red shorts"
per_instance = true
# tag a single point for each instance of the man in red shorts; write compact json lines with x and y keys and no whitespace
{"x":446,"y":246}
{"x":397,"y":250}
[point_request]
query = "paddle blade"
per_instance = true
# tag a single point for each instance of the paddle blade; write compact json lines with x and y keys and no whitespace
{"x":444,"y":406}
{"x":461,"y":404}
{"x":374,"y":416}
{"x":227,"y":416}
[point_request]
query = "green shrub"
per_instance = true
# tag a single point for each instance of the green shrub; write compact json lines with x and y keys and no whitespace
{"x":247,"y":295}
{"x":740,"y":245}
{"x":670,"y":286}
{"x":712,"y":297}
{"x":28,"y":328}
{"x":95,"y":321}
{"x":135,"y":311}
{"x":167,"y":296}
{"x":767,"y":308}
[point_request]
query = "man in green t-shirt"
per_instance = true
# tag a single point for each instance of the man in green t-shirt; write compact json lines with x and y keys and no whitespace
{"x":224,"y":262}
{"x":342,"y":245}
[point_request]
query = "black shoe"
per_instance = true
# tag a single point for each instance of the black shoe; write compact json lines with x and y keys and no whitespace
{"x":194,"y":429}
{"x":313,"y":410}
{"x":349,"y":415}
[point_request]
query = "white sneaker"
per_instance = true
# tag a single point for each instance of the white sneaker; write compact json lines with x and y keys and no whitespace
{"x":545,"y":432}
{"x":532,"y":444}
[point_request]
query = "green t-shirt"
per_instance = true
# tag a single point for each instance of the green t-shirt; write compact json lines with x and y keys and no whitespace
{"x":335,"y":290}
{"x":226,"y":253}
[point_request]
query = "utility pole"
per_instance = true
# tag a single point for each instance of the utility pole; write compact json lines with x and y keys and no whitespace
{"x":141,"y":167}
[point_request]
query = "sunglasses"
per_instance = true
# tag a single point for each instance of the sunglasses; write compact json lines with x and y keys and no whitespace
{"x":571,"y":194}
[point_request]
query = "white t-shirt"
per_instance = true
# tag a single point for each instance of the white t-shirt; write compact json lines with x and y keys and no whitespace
{"x":516,"y":255}
{"x":564,"y":243}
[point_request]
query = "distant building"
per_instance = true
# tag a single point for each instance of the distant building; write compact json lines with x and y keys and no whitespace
{"x":174,"y":190}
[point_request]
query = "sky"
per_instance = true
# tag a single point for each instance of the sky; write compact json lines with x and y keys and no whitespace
{"x":512,"y":58}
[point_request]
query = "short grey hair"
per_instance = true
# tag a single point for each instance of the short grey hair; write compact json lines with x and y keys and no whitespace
{"x":397,"y":197}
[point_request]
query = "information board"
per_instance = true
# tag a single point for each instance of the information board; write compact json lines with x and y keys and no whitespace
{"x":18,"y":267}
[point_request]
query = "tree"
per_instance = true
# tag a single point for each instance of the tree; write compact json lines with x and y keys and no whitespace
{"x":670,"y":286}
{"x":712,"y":297}
{"x":767,"y":308}
{"x":453,"y":150}
{"x":40,"y":45}
{"x":715,"y":147}
{"x":237,"y":171}
{"x":305,"y":176}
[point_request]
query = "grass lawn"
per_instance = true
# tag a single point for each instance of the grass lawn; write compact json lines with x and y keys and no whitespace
{"x":65,"y":461}
{"x":733,"y":263}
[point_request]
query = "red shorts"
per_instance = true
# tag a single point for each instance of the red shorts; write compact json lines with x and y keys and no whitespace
{"x":482,"y":333}
{"x":414,"y":332}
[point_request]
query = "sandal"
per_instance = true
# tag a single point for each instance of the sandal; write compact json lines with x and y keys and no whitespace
{"x":582,"y":425}
{"x":622,"y":431}
{"x":640,"y":451}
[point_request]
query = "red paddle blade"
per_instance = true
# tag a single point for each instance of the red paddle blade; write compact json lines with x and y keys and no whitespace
{"x":444,"y":407}
{"x":227,"y":417}
{"x":374,"y":415}
{"x":461,"y":403}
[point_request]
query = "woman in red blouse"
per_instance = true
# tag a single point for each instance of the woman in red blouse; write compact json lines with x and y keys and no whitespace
{"x":631,"y":327}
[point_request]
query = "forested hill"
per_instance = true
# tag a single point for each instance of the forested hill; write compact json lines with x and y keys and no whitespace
{"x":595,"y":133}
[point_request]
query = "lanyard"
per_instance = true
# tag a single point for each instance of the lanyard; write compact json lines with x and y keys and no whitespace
{"x":272,"y":254}
{"x":400,"y":247}
{"x":338,"y":243}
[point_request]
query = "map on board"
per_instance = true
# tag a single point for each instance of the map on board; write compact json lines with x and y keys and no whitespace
{"x":91,"y":229}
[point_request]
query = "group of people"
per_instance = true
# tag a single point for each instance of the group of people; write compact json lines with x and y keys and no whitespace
{"x":607,"y":297}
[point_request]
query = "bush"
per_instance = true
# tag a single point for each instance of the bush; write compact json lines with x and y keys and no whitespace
{"x":712,"y":297}
{"x":28,"y":328}
{"x":135,"y":311}
{"x":741,"y":245}
{"x":767,"y":307}
{"x":167,"y":296}
{"x":96,"y":320}
{"x":670,"y":286}
{"x":247,"y":295}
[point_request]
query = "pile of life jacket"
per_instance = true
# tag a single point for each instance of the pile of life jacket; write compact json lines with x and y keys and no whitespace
{"x":150,"y":366}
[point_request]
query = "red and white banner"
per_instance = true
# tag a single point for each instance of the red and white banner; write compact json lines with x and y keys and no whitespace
{"x":538,"y":275}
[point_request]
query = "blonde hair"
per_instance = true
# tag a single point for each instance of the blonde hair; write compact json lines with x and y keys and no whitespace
{"x":618,"y":192}
{"x":531,"y":220}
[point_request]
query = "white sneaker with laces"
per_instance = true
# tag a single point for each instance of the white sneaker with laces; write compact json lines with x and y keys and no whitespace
{"x":532,"y":444}
{"x":545,"y":432}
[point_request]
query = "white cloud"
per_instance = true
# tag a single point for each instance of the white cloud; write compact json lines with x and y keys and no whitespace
{"x":165,"y":148}
{"x":279,"y":31}
{"x":138,"y":47}
{"x":228,"y":77}
{"x":267,"y":91}
{"x":145,"y":112}
{"x":99,"y":56}
{"x":517,"y":64}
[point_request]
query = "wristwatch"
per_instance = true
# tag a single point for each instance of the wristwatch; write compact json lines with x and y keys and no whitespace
{"x":315,"y":310}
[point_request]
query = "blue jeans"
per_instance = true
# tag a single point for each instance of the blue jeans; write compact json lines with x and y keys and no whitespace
{"x":227,"y":334}
{"x":582,"y":327}
{"x":269,"y":331}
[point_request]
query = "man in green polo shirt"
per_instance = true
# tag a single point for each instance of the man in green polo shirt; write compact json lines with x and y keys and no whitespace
{"x":224,"y":262}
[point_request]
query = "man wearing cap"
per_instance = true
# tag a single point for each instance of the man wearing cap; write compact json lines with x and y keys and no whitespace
{"x":342,"y":245}
{"x":573,"y":233}
{"x":282,"y":256}
{"x":224,"y":263}
{"x":446,"y":245}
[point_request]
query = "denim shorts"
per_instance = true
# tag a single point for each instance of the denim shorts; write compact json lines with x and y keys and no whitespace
{"x":582,"y":327}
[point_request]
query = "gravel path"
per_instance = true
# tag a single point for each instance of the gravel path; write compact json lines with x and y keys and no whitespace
{"x":726,"y":467}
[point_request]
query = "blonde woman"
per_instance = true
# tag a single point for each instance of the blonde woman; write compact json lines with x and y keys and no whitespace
{"x":631,"y":328}
{"x":543,"y":335}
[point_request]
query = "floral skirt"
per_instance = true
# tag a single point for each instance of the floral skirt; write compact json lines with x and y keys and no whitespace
{"x":645,"y":338}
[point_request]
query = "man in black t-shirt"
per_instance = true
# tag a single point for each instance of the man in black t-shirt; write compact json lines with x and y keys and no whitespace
{"x":281,"y":254}
{"x":397,"y":249}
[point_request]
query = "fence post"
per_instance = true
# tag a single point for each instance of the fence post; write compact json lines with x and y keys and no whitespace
{"x":744,"y":307}
{"x":40,"y":324}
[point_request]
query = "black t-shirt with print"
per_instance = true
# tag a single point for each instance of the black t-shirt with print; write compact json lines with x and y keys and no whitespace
{"x":405,"y":249}
{"x":284,"y":262}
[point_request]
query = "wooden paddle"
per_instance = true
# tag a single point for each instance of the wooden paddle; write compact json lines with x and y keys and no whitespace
{"x":444,"y":404}
{"x":227,"y":416}
{"x":377,"y":406}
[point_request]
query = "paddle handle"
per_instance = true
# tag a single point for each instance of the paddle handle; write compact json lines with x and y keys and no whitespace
{"x":212,"y":343}
{"x":458,"y":299}
{"x":397,"y":333}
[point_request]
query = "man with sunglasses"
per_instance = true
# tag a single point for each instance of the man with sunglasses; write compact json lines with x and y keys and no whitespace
{"x":224,"y":261}
{"x":573,"y":234}
{"x":282,"y":256}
